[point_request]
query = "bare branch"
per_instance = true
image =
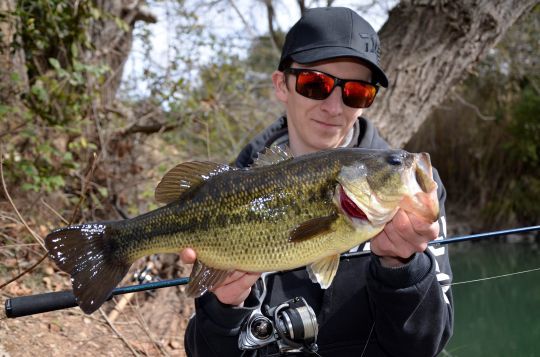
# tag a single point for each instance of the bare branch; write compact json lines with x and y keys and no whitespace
{"x":462,"y":101}
{"x":22,"y":220}
{"x":84,"y":187}
{"x":65,"y":221}
{"x":270,"y":15}
{"x":242,"y":18}
{"x":534,"y":85}
{"x":147,"y":129}
{"x":365,"y":7}
{"x":115,"y":330}
{"x":301,"y":6}
{"x":24,"y":272}
{"x":13,"y":131}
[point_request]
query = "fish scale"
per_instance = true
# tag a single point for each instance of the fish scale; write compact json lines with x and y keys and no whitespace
{"x":279,"y":216}
{"x":267,"y":240}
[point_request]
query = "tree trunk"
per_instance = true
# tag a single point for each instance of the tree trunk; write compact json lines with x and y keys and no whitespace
{"x":427,"y":47}
{"x":113,"y":44}
{"x":13,"y":79}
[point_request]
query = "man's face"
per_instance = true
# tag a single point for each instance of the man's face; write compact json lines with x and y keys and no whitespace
{"x":319,"y":124}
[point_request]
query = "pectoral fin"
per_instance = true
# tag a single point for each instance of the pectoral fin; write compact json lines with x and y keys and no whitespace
{"x":312,"y":228}
{"x":324,"y":270}
{"x":204,"y":278}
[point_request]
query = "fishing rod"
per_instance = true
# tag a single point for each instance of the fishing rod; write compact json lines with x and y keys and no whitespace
{"x":35,"y":304}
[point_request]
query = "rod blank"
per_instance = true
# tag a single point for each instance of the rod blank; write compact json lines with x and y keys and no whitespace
{"x":35,"y":304}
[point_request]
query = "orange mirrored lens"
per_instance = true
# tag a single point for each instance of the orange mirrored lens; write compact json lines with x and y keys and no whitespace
{"x":358,"y":95}
{"x":314,"y":85}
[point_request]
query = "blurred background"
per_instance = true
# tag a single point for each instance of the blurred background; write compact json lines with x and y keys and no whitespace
{"x":98,"y":99}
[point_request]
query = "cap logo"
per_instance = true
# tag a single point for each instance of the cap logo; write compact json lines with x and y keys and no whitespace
{"x":374,"y":43}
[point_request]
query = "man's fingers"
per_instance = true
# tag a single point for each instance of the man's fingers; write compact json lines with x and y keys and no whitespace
{"x":236,"y":291}
{"x":188,"y":256}
{"x":424,"y":228}
{"x":402,"y":247}
{"x":240,"y":279}
{"x":400,"y":226}
{"x":234,"y":276}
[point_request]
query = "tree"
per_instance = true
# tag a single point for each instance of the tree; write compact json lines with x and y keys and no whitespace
{"x":13,"y":79}
{"x":428,"y":46}
{"x":490,"y":162}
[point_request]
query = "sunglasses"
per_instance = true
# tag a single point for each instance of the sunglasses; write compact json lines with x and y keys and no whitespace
{"x":319,"y":85}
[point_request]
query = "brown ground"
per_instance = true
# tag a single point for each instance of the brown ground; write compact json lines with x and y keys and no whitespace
{"x":150,"y":325}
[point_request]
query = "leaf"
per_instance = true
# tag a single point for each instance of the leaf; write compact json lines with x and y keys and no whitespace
{"x":54,"y":62}
{"x":39,"y":91}
{"x":5,"y":109}
{"x":103,"y":191}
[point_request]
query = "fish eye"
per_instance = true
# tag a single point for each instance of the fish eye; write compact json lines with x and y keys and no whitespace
{"x":396,"y":159}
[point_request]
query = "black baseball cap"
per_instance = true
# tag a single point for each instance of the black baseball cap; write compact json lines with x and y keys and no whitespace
{"x":332,"y":32}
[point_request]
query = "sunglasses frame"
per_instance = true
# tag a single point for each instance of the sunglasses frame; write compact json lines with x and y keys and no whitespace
{"x":338,"y":82}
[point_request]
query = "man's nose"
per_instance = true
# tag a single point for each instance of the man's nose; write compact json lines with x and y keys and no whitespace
{"x":333,"y":104}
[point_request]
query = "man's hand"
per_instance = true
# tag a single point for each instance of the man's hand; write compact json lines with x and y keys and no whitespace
{"x":235,"y":289}
{"x":403,"y":236}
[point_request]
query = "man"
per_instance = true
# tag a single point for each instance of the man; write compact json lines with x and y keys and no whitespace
{"x":390,"y":303}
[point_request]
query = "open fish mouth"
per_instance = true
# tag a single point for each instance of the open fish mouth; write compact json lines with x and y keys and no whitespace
{"x":363,"y":202}
{"x":422,"y":199}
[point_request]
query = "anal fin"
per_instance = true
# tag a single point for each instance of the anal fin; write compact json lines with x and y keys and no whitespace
{"x":324,"y":270}
{"x":204,"y":278}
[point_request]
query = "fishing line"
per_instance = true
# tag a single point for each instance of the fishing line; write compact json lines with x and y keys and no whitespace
{"x":492,"y":277}
{"x":368,"y":338}
{"x":33,"y":304}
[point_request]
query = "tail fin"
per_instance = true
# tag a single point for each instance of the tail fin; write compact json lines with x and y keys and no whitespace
{"x":89,"y":254}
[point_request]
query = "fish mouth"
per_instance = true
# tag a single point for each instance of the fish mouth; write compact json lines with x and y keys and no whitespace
{"x":423,"y":200}
{"x":350,"y":208}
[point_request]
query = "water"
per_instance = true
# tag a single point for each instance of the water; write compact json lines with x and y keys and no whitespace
{"x":499,"y":317}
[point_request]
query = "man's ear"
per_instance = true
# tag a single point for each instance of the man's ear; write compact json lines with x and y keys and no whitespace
{"x":280,"y":87}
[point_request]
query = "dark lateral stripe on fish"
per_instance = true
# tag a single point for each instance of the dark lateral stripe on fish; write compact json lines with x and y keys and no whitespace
{"x":268,"y":218}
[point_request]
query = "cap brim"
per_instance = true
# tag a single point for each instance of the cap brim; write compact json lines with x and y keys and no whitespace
{"x":326,"y":53}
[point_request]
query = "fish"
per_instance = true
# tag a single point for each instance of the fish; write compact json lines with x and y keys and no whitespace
{"x":281,"y":213}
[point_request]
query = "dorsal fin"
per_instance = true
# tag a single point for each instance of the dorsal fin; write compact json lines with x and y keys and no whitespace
{"x":272,"y":155}
{"x":185,"y":176}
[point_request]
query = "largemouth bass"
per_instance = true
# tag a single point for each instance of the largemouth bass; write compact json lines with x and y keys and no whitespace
{"x":281,"y":214}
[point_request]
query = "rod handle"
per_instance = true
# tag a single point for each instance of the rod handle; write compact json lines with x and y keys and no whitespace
{"x":35,"y":304}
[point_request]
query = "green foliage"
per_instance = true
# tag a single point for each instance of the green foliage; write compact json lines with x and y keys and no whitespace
{"x":524,"y":151}
{"x":52,"y":127}
{"x":225,"y":110}
{"x":263,"y":55}
{"x":525,"y":128}
{"x":54,"y":36}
